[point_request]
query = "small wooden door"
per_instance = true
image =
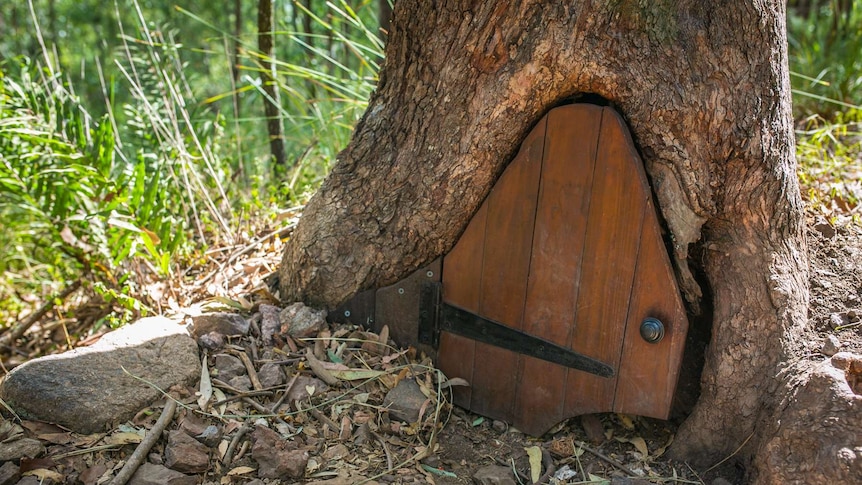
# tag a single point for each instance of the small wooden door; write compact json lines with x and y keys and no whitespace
{"x":567,"y":247}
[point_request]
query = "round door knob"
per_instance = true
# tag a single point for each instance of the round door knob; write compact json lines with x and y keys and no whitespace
{"x":652,"y":330}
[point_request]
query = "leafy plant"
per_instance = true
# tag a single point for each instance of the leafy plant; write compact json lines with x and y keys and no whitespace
{"x":67,"y":207}
{"x":826,"y":58}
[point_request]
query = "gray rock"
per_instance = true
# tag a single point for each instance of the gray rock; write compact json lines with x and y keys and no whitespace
{"x":184,"y":454}
{"x":9,"y":473}
{"x":91,"y":389}
{"x":221,"y":322}
{"x":276,"y":457}
{"x":499,"y":426}
{"x":270,"y":323}
{"x":830,"y":346}
{"x":301,"y":321}
{"x":211,"y":341}
{"x":836,"y":320}
{"x":208,"y":434}
{"x":228,"y":367}
{"x":270,"y":375}
{"x":240,"y":383}
{"x":149,"y":474}
{"x":494,"y":475}
{"x":405,"y":401}
{"x":21,"y":448}
{"x":211,"y":436}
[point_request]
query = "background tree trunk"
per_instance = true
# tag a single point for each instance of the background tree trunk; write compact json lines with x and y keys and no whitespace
{"x":704,"y":87}
{"x":271,"y":101}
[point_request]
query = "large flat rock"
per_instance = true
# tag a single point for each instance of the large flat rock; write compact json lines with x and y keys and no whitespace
{"x":92,"y":389}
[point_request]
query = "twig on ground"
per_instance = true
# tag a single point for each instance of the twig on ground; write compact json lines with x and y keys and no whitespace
{"x":19,"y":329}
{"x":140,"y":453}
{"x":389,"y":461}
{"x":252,"y":373}
{"x":260,"y":407}
{"x":318,"y":368}
{"x":323,"y":418}
{"x":274,"y":408}
{"x":231,"y":448}
{"x":607,"y":459}
{"x":548,"y":463}
{"x":247,"y":248}
{"x":240,"y":396}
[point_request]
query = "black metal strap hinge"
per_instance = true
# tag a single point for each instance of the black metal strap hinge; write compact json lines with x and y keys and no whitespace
{"x":436,"y":316}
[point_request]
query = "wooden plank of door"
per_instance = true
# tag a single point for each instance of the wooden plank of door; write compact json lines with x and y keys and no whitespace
{"x":462,"y":279}
{"x":506,"y":264}
{"x":610,"y":253}
{"x":555,"y":270}
{"x":648,"y":372}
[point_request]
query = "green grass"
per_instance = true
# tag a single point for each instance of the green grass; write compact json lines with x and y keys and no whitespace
{"x":826,"y":59}
{"x":830,"y":160}
{"x":135,"y":195}
{"x":825,"y":47}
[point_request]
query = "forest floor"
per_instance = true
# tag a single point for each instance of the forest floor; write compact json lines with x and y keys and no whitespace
{"x":350,"y":437}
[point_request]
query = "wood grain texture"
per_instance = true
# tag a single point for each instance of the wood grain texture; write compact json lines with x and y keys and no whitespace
{"x":555,"y":271}
{"x":462,"y":287}
{"x":610,"y":252}
{"x":505,"y":267}
{"x":568,"y":248}
{"x":649,"y":372}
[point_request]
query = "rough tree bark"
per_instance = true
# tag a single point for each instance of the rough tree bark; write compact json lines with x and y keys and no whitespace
{"x":704,"y":87}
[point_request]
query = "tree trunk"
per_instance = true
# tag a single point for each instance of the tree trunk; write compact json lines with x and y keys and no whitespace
{"x":271,"y":99}
{"x":705,"y":89}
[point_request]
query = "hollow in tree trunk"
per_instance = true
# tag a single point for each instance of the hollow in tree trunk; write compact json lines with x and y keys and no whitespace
{"x":704,"y":87}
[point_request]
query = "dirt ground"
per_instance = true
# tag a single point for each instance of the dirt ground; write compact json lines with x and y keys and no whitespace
{"x":451,"y":445}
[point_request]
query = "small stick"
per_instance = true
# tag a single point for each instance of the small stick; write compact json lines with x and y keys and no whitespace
{"x":274,"y":408}
{"x":325,"y":419}
{"x":228,"y":455}
{"x":242,"y":395}
{"x":140,"y":453}
{"x":606,"y":459}
{"x":549,"y":467}
{"x":260,"y":407}
{"x":318,"y":368}
{"x":389,"y":462}
{"x":252,"y":374}
{"x":242,"y":449}
{"x":19,"y":329}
